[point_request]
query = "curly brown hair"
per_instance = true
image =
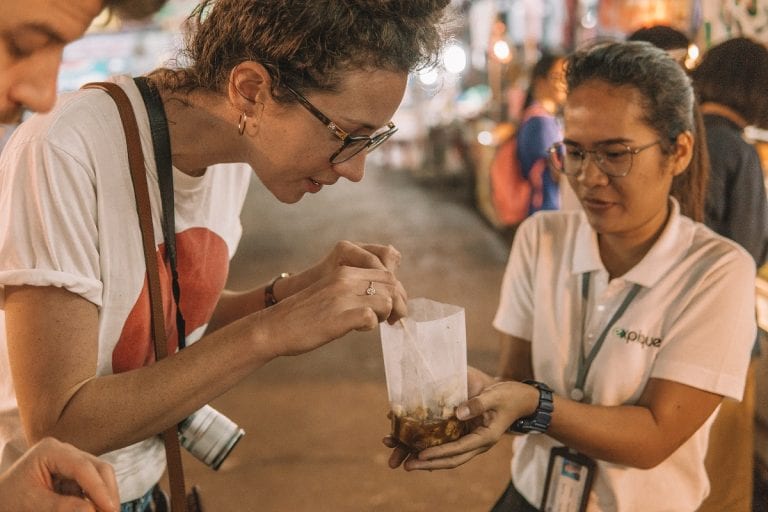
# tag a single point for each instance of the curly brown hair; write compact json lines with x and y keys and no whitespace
{"x":306,"y":44}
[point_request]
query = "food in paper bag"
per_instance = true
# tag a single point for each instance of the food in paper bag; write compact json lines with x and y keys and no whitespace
{"x":420,"y":429}
{"x":425,"y":359}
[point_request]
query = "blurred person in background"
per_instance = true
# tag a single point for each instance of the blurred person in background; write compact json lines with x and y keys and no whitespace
{"x":33,"y":34}
{"x":540,"y":128}
{"x":735,"y":208}
{"x":294,"y":92}
{"x":665,"y":37}
{"x":624,"y":324}
{"x":726,"y":82}
{"x":730,"y":82}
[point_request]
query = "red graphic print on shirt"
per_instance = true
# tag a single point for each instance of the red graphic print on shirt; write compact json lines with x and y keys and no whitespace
{"x":203,"y":264}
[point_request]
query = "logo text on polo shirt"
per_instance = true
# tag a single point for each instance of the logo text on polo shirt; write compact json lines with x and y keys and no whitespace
{"x":637,"y":337}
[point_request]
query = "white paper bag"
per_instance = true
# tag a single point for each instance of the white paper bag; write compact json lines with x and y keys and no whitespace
{"x":425,"y":360}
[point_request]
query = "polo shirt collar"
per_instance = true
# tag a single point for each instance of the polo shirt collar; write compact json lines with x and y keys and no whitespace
{"x":671,"y":246}
{"x":586,"y":255}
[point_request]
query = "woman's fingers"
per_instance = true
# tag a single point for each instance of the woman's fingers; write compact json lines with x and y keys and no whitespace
{"x":399,"y":452}
{"x":399,"y":303}
{"x":375,"y":264}
{"x":477,"y":381}
{"x":489,"y":417}
{"x":70,"y":504}
{"x":454,"y":454}
{"x":360,"y":319}
{"x":499,"y":398}
{"x":373,"y":256}
{"x":472,"y":408}
{"x":414,"y":463}
{"x":378,"y":289}
{"x":389,"y":300}
{"x":75,"y":468}
{"x":386,"y":254}
{"x":475,"y":440}
{"x":347,"y":299}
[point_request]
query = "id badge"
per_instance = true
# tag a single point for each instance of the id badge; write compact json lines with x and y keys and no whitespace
{"x":569,"y":480}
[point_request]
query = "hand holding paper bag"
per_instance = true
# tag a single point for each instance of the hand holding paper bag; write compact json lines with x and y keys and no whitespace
{"x":425,"y":359}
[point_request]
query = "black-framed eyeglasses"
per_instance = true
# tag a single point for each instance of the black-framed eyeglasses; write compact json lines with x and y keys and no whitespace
{"x":613,"y":159}
{"x":351,"y":145}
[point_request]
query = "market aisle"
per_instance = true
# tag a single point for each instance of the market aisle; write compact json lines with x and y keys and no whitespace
{"x":314,"y":423}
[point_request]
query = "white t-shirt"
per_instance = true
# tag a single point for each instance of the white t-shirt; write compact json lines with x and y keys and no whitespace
{"x":692,"y":322}
{"x":68,"y":219}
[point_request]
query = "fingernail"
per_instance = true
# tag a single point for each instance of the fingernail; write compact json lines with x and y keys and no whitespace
{"x":462,"y":412}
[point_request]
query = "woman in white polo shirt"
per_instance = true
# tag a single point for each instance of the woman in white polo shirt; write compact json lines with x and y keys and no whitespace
{"x":631,"y":320}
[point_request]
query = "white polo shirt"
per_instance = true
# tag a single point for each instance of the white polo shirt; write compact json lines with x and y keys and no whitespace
{"x":692,"y":322}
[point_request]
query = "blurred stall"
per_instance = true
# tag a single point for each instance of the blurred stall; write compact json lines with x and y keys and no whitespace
{"x":112,"y":46}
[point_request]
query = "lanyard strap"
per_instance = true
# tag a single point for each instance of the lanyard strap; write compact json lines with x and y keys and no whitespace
{"x":161,"y":143}
{"x":586,"y":363}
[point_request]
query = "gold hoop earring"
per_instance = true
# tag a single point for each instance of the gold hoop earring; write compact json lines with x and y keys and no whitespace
{"x":241,"y":123}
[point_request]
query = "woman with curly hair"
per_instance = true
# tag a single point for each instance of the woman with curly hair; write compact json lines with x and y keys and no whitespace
{"x":294,"y":92}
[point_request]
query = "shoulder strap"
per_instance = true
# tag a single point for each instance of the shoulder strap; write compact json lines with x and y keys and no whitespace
{"x":144,"y":209}
{"x":161,"y":142}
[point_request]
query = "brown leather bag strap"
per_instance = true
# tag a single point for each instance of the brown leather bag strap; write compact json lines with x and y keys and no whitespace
{"x":144,"y":210}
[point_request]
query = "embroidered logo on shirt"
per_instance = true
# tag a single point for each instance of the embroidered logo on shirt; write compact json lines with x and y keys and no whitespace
{"x":637,"y":337}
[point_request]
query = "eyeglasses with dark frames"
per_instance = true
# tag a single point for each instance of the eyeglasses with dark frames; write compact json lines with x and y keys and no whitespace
{"x":613,"y":159}
{"x":351,"y":145}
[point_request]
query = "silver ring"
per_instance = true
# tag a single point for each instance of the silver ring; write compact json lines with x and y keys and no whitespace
{"x":370,"y":290}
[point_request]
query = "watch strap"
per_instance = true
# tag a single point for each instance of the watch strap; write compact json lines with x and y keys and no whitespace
{"x":539,"y":421}
{"x":269,"y":291}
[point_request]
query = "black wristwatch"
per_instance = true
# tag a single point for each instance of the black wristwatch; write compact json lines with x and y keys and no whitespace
{"x":538,"y":422}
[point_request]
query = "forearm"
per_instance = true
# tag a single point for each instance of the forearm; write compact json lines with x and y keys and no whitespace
{"x":233,"y":305}
{"x":53,"y":349}
{"x":627,"y":435}
{"x":126,"y":408}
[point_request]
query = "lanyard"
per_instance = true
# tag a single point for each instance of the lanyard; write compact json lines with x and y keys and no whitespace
{"x":161,"y":143}
{"x":586,"y":363}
